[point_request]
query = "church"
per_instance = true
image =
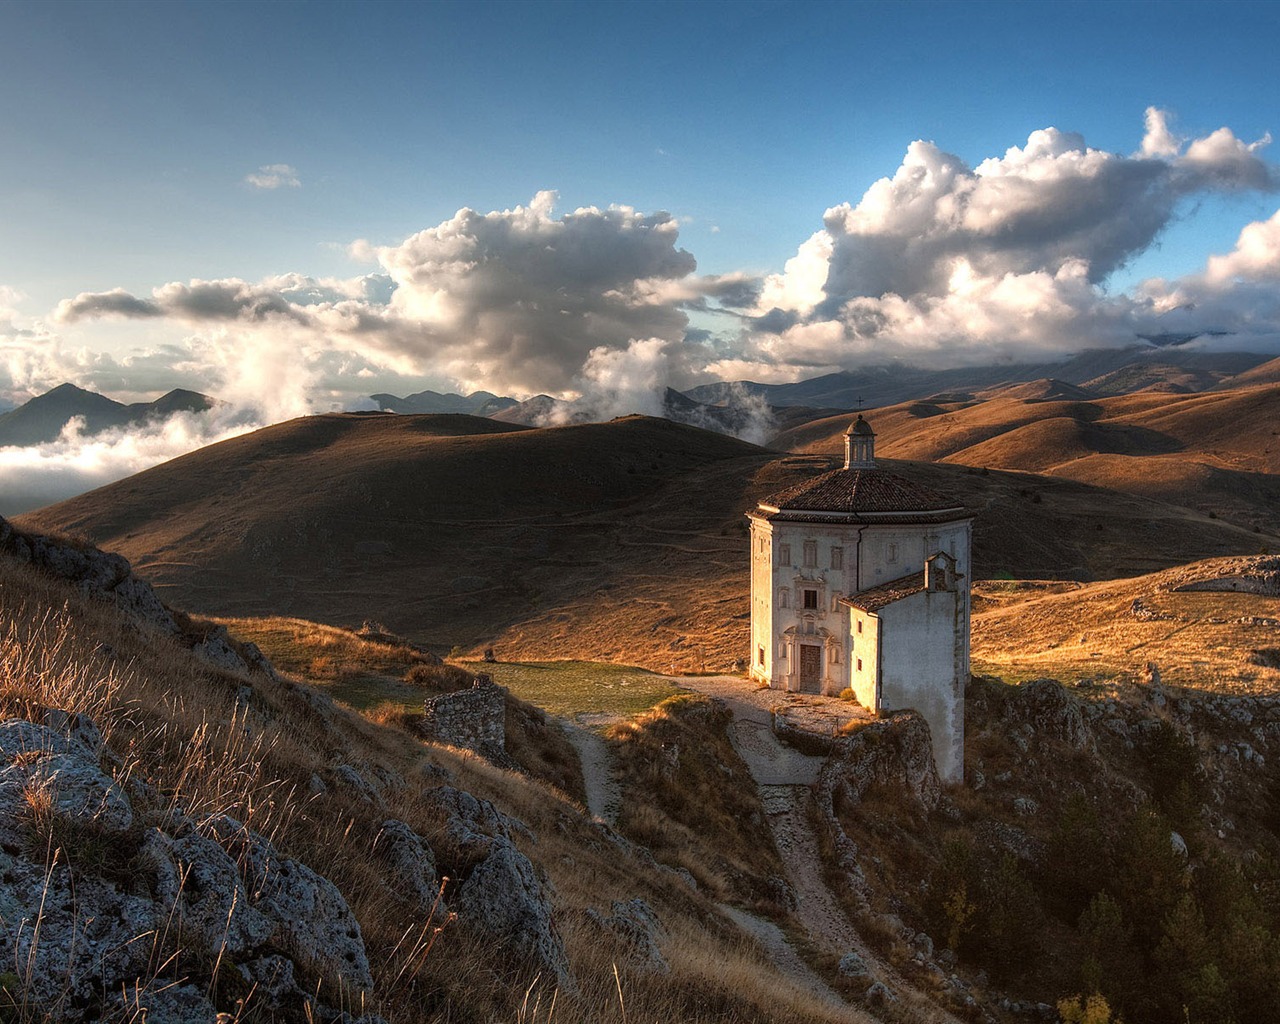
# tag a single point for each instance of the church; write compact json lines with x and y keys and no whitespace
{"x":860,"y":580}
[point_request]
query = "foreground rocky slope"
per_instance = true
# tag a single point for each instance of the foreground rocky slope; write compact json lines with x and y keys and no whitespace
{"x":183,"y":838}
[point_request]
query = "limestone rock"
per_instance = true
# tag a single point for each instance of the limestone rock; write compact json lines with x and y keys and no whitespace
{"x":161,"y":1002}
{"x":637,"y":928}
{"x":216,"y":648}
{"x":411,"y":864}
{"x":1050,"y":711}
{"x":92,"y":941}
{"x":199,"y":884}
{"x":853,"y":966}
{"x":311,"y":921}
{"x":503,"y":898}
{"x":78,"y":789}
{"x":470,"y":825}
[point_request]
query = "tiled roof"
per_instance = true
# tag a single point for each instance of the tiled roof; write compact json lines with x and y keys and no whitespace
{"x":886,"y":593}
{"x":859,"y":490}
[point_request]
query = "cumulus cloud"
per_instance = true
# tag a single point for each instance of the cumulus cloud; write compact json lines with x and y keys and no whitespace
{"x":941,"y":261}
{"x":271,"y":176}
{"x":1002,"y":260}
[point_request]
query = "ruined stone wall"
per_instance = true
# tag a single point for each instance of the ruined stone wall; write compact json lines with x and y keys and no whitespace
{"x":473,"y":719}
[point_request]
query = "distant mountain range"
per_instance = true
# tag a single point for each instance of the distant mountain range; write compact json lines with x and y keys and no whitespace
{"x":1109,"y":371}
{"x":43,"y":417}
{"x":479,"y":403}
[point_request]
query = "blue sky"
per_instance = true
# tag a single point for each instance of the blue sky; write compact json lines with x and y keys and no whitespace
{"x":128,"y":132}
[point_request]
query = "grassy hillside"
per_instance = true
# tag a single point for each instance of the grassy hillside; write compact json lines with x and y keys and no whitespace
{"x":1214,"y":452}
{"x":622,"y":542}
{"x":1225,"y":642}
{"x":189,"y":741}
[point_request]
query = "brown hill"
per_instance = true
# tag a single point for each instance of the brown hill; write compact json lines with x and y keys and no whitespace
{"x":1187,"y":621}
{"x":621,"y":541}
{"x":1217,"y":452}
{"x":1267,"y":373}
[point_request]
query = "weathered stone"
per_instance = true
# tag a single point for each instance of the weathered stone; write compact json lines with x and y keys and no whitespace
{"x":637,"y":927}
{"x":1025,"y":807}
{"x":411,"y":864}
{"x":199,"y":885}
{"x":853,"y":966}
{"x":160,"y":1002}
{"x":273,"y":977}
{"x":879,"y":994}
{"x":1050,"y":711}
{"x":503,"y":898}
{"x":79,"y":789}
{"x":470,"y":825}
{"x":91,"y":940}
{"x":217,"y":650}
{"x":312,"y":922}
{"x":473,"y":719}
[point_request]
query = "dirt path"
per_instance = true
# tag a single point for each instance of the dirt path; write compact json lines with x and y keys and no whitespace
{"x":603,"y":794}
{"x":784,"y":777}
{"x":774,"y":942}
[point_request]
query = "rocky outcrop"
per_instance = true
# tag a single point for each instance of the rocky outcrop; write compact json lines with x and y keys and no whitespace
{"x":635,"y":927}
{"x":411,"y":866}
{"x":1257,"y":574}
{"x":894,"y":754}
{"x":499,"y":893}
{"x":1049,"y":711}
{"x":109,"y":577}
{"x":88,"y":940}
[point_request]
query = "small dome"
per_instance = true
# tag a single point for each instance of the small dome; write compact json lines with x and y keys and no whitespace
{"x":861,"y":426}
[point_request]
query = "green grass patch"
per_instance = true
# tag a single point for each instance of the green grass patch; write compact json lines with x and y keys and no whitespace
{"x":569,"y":688}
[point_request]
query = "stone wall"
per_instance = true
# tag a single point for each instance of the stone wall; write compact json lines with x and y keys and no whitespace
{"x":473,"y":719}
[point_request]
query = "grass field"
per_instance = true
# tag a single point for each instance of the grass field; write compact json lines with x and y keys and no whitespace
{"x":572,"y":688}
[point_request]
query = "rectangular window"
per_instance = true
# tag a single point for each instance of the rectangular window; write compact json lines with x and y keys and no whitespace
{"x":784,"y":554}
{"x":811,"y":554}
{"x":811,"y":599}
{"x":760,"y":655}
{"x":893,"y":552}
{"x":837,"y":558}
{"x":859,"y":625}
{"x":859,"y":664}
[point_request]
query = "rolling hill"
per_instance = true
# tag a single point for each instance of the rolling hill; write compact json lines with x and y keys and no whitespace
{"x":1217,"y":451}
{"x":620,"y":541}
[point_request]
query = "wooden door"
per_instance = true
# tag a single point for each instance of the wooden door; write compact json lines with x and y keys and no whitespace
{"x":810,"y":668}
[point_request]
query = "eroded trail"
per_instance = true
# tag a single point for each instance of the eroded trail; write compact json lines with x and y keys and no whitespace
{"x":784,"y":776}
{"x":603,"y":793}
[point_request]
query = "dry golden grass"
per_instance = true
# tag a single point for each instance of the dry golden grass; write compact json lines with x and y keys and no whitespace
{"x":1202,"y":640}
{"x":689,"y":797}
{"x":1215,"y":451}
{"x":173,"y":721}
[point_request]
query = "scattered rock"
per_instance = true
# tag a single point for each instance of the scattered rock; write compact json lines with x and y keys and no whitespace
{"x":412,"y":865}
{"x":853,"y":966}
{"x":504,"y":899}
{"x":879,"y":994}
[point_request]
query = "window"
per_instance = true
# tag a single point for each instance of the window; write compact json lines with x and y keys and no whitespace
{"x":811,"y":554}
{"x":859,"y":664}
{"x":759,"y":655}
{"x":811,"y":599}
{"x":784,"y":554}
{"x":859,"y":625}
{"x":837,"y":558}
{"x":893,"y":553}
{"x":784,"y":599}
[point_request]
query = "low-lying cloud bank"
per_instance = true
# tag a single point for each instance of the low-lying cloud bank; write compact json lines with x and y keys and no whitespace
{"x":940,"y":263}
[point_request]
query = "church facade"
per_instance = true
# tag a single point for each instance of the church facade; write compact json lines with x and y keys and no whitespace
{"x":860,"y":580}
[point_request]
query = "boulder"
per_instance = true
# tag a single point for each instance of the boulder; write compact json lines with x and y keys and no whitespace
{"x":411,"y":865}
{"x":160,"y":1002}
{"x":504,"y":899}
{"x":199,"y":885}
{"x":312,"y":923}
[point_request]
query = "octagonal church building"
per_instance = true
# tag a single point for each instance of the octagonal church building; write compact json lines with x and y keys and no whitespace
{"x":860,"y":580}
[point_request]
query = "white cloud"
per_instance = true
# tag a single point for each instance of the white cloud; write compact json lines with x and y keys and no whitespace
{"x":271,"y":176}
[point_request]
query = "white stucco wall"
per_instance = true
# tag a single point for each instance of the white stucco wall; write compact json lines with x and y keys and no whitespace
{"x":922,"y":646}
